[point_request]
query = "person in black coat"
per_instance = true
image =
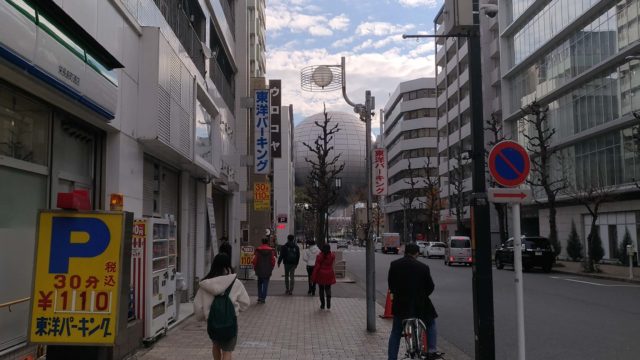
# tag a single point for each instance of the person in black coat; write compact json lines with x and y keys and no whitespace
{"x":410,"y":285}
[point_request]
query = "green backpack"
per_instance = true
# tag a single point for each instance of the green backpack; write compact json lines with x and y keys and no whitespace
{"x":222,"y":323}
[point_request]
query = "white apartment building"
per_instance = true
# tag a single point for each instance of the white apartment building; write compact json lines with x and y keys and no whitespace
{"x":454,"y":129}
{"x":410,"y":139}
{"x":139,"y":97}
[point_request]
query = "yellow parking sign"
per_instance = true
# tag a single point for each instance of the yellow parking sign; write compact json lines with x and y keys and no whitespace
{"x":77,"y":278}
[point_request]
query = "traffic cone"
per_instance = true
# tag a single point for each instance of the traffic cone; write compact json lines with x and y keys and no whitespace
{"x":388,"y":313}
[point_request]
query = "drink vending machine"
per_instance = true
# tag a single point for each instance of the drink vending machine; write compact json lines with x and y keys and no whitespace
{"x":153,"y":271}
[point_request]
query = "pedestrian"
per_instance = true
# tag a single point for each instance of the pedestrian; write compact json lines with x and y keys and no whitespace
{"x":220,"y":280}
{"x":323,"y":274}
{"x":225,"y":247}
{"x":309,"y":257}
{"x":290,"y":256}
{"x":264,"y":259}
{"x":410,"y":284}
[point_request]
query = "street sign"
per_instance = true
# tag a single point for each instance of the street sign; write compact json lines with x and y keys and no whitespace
{"x":505,"y":195}
{"x":509,"y":163}
{"x":77,"y":278}
{"x":282,"y":218}
{"x":246,"y":256}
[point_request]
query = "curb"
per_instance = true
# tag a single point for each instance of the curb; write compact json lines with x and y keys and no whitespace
{"x":598,"y":276}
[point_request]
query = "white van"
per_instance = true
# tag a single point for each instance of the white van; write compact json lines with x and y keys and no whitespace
{"x":458,"y":251}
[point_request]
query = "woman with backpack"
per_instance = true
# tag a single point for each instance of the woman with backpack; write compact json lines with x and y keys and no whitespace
{"x":323,"y":274}
{"x":220,"y":293}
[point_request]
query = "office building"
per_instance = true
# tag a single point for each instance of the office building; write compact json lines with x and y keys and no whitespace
{"x":579,"y":58}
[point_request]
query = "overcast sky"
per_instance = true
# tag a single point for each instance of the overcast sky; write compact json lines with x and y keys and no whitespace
{"x":368,"y":33}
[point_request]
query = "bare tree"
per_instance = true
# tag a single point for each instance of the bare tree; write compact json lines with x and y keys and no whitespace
{"x":457,"y":198}
{"x":592,"y":194}
{"x":325,"y":168}
{"x":409,"y":197}
{"x":494,"y":126}
{"x":431,"y":201}
{"x":539,"y":135}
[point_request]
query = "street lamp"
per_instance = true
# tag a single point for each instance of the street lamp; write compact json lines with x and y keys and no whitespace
{"x":320,"y":78}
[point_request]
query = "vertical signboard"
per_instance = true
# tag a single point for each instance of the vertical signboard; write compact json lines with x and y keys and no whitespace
{"x":246,"y":256}
{"x":262,"y":154}
{"x":379,"y":172}
{"x":275,"y":87}
{"x":261,"y":196}
{"x":77,"y":278}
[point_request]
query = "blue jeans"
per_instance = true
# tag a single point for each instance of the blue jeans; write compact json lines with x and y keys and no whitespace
{"x":396,"y":336}
{"x":263,"y":285}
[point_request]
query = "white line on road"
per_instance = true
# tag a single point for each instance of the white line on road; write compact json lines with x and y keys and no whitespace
{"x":593,"y":283}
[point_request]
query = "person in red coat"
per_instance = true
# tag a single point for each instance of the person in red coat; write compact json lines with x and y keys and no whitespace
{"x":323,"y":274}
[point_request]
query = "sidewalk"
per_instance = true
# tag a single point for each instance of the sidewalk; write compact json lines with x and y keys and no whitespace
{"x":290,"y":327}
{"x":608,"y":272}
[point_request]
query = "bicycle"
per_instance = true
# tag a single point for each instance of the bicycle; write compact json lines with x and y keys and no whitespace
{"x":414,"y":332}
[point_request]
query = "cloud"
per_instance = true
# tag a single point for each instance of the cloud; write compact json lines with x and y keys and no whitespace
{"x":343,"y":42}
{"x":293,"y":15}
{"x":380,"y":28}
{"x":340,"y":22}
{"x":417,"y":3}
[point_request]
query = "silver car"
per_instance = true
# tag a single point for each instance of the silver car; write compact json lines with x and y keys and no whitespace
{"x":435,"y":249}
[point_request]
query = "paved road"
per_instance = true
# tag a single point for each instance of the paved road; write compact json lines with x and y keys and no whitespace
{"x":567,"y":317}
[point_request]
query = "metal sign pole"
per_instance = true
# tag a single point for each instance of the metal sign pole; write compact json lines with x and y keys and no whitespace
{"x":517,"y":264}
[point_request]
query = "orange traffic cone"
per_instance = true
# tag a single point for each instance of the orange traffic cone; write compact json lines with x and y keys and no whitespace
{"x":388,"y":313}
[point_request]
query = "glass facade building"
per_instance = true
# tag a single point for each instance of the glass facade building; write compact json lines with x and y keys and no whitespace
{"x":578,"y":57}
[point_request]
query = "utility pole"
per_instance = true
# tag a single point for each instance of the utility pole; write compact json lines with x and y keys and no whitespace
{"x":480,"y":231}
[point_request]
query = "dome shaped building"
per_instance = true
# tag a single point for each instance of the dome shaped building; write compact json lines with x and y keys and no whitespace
{"x":349,"y":141}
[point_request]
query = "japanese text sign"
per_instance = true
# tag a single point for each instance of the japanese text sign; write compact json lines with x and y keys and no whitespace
{"x":246,"y":256}
{"x":379,"y":172}
{"x":262,"y":131}
{"x":275,"y":93}
{"x":77,"y":278}
{"x":261,"y":196}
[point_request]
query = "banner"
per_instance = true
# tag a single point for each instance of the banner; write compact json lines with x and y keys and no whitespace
{"x":261,"y":196}
{"x":379,"y":172}
{"x":77,"y":278}
{"x":275,"y":93}
{"x":262,"y":154}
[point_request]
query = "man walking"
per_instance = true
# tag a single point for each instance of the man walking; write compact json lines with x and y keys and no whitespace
{"x":290,"y":256}
{"x":410,"y":285}
{"x":264,"y":259}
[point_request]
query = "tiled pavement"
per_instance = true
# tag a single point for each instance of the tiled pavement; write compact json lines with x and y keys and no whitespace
{"x":289,"y":327}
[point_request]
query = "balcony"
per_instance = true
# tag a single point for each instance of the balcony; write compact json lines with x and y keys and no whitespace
{"x":224,"y":85}
{"x":229,"y":14}
{"x":495,"y":76}
{"x":183,"y":29}
{"x":494,"y":49}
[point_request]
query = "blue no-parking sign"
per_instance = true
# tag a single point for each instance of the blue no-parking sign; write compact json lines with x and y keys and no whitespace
{"x":509,"y":163}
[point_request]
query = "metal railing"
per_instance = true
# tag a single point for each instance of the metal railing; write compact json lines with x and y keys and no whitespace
{"x":184,"y":31}
{"x":14,"y":302}
{"x":225,"y":87}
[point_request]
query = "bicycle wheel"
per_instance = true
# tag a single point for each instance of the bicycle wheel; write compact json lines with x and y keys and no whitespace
{"x":415,"y":336}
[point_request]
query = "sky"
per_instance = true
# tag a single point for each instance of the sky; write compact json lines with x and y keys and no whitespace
{"x":368,"y":34}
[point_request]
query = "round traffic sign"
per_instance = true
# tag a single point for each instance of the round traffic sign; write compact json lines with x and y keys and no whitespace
{"x":509,"y":163}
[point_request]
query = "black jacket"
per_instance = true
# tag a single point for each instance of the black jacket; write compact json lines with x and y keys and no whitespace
{"x":411,"y":284}
{"x":290,"y":246}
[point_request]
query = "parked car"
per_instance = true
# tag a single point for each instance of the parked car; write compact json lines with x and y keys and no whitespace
{"x":458,"y":250}
{"x":536,"y":252}
{"x":342,"y":243}
{"x":436,"y":249}
{"x":421,"y":244}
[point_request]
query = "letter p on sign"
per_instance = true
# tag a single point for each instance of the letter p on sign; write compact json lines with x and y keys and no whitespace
{"x":62,"y":247}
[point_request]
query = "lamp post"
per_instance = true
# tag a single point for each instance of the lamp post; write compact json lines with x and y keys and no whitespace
{"x":324,"y":78}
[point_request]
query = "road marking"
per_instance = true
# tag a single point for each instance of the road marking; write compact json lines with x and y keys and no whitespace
{"x":593,"y":283}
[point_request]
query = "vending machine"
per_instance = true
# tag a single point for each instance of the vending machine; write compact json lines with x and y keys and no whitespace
{"x":153,"y":264}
